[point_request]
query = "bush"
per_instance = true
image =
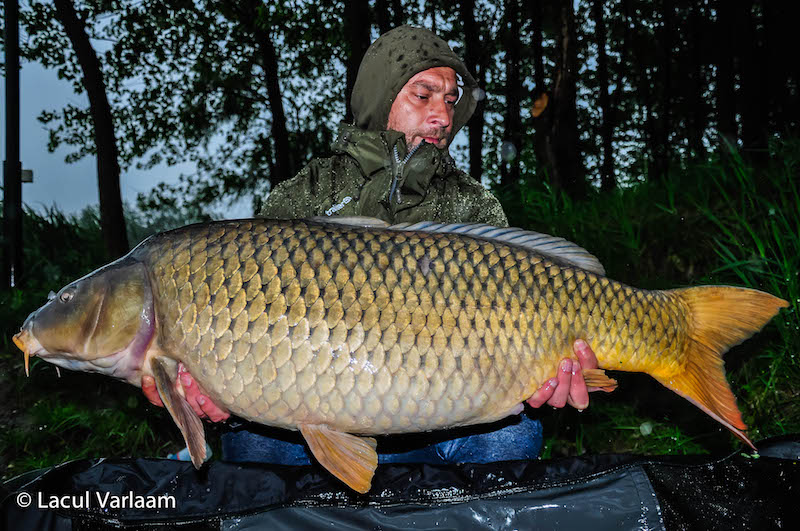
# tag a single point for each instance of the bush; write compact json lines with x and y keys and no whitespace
{"x":44,"y":421}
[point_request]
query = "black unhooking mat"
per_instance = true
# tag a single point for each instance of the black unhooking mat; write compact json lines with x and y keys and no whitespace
{"x":592,"y":493}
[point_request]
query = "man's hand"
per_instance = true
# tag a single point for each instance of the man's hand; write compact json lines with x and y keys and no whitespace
{"x":568,"y":387}
{"x":201,"y":404}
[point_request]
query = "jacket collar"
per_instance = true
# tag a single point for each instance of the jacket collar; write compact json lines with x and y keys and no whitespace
{"x":374,"y":151}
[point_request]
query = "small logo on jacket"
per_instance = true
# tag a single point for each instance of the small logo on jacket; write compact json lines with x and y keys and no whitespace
{"x":336,"y":208}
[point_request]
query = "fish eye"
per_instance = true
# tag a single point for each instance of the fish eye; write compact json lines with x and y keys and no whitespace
{"x":66,"y":296}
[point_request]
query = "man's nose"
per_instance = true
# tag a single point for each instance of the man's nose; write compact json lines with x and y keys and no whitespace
{"x":439,"y":113}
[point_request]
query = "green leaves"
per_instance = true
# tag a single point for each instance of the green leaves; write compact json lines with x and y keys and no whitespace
{"x":186,"y":82}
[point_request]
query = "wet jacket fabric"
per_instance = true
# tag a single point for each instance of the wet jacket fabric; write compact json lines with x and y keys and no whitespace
{"x":364,"y":178}
{"x":371,"y":172}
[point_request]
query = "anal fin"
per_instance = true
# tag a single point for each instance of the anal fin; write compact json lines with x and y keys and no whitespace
{"x":182,"y":413}
{"x":599,"y":378}
{"x":350,"y":458}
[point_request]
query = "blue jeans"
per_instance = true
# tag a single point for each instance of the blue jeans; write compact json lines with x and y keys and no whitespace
{"x":517,"y":437}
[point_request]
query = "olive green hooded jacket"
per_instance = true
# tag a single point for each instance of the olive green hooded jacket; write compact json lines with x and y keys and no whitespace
{"x":371,"y":173}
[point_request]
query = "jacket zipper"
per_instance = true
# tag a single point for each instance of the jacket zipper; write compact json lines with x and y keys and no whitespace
{"x":399,"y":170}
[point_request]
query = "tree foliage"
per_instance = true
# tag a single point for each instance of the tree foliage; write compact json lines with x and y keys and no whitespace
{"x":193,"y":80}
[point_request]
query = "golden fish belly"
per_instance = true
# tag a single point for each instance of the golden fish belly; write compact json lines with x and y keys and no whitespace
{"x":372,"y":331}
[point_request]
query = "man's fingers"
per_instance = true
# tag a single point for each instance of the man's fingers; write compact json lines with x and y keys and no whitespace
{"x":586,"y":358}
{"x":585,"y":354}
{"x":543,"y":394}
{"x":215,"y":414}
{"x":150,"y":391}
{"x":569,"y":385}
{"x":578,"y":393}
{"x":200,"y":403}
{"x":559,"y":398}
{"x":190,"y":390}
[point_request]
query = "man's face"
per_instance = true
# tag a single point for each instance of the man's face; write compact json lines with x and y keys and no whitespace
{"x":423,"y":109}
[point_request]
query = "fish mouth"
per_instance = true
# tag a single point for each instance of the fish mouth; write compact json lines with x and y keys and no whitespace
{"x":29,"y":346}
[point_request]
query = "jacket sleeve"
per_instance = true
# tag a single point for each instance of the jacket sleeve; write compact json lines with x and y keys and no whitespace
{"x":474,"y":203}
{"x":294,"y":199}
{"x":488,"y":209}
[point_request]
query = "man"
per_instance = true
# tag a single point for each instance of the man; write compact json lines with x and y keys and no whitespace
{"x":411,"y":96}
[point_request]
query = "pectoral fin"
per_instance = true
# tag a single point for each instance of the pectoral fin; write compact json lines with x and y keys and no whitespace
{"x":187,"y":420}
{"x":351,"y":459}
{"x":598,"y":378}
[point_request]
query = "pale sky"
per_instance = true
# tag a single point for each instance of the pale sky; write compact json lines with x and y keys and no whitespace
{"x":70,"y":187}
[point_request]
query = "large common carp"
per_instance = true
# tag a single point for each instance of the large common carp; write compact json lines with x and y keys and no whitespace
{"x":347,"y":329}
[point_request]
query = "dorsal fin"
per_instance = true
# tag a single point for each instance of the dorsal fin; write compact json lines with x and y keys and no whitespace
{"x":352,"y":221}
{"x":558,"y":249}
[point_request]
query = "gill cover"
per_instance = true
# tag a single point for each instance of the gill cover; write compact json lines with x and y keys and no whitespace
{"x":95,"y":316}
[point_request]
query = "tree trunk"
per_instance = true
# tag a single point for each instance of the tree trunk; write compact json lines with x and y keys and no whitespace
{"x":382,"y":16}
{"x":473,"y":51}
{"x":754,"y":93}
{"x":567,"y":159}
{"x":284,"y":162}
{"x":251,"y":15}
{"x":536,"y":14}
{"x":726,"y":94}
{"x":644,"y":101}
{"x":792,"y":72}
{"x":357,"y":26}
{"x":663,"y":126}
{"x":397,"y":11}
{"x":779,"y":19}
{"x":624,"y":53}
{"x":613,"y":117}
{"x":112,"y":220}
{"x":697,"y":115}
{"x":510,"y":169}
{"x":542,"y":116}
{"x":777,"y":83}
{"x":607,"y":179}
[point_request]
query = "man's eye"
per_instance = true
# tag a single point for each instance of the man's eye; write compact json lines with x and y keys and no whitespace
{"x":451,"y":103}
{"x":422,"y":96}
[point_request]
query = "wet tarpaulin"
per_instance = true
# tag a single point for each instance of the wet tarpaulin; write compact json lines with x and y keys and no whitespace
{"x":736,"y":491}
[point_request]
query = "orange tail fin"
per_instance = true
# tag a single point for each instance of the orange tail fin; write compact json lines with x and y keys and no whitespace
{"x":719,"y":318}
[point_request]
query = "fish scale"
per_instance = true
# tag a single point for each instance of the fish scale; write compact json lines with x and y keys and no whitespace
{"x":336,"y":329}
{"x":421,"y":332}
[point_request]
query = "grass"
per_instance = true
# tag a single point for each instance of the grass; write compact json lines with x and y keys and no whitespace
{"x":45,"y":420}
{"x":49,"y":420}
{"x":713,"y":223}
{"x":614,"y":427}
{"x":758,"y":244}
{"x":719,"y":222}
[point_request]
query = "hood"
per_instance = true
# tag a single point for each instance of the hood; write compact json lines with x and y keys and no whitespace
{"x":393,"y":59}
